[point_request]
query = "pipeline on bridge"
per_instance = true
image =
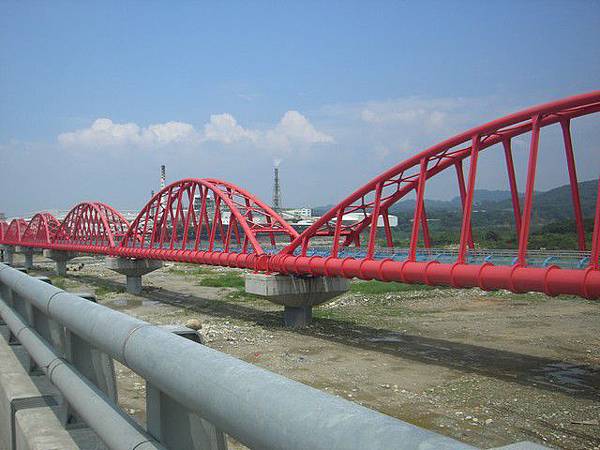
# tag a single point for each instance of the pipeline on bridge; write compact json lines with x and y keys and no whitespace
{"x":185,"y":222}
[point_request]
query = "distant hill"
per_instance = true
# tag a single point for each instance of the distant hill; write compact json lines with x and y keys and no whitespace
{"x":486,"y":196}
{"x":556,"y":204}
{"x":551,"y":205}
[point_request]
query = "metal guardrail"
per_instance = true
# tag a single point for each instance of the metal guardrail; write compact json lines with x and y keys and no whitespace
{"x":191,"y":389}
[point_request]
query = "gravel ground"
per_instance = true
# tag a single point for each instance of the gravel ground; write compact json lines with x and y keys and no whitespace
{"x":485,"y":368}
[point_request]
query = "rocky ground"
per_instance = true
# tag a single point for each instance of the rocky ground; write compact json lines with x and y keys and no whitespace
{"x":485,"y":368}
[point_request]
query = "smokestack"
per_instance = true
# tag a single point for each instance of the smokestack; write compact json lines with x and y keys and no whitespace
{"x":276,"y":187}
{"x":163,"y":176}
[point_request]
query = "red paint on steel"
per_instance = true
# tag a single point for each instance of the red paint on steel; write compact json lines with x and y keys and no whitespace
{"x":468,"y":209}
{"x":41,"y":229}
{"x":176,"y":224}
{"x":179,"y":215}
{"x":595,"y":253}
{"x":566,"y":129}
{"x":3,"y":228}
{"x":14,"y":231}
{"x":512,"y":182}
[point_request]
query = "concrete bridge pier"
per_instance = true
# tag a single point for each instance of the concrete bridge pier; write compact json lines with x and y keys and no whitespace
{"x":8,"y":255}
{"x":297,"y":294}
{"x":61,"y":258}
{"x":28,"y":253}
{"x":133,"y":269}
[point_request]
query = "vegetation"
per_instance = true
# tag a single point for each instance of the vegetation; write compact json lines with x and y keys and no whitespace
{"x":226,"y":279}
{"x":381,"y":287}
{"x":104,"y":289}
{"x":59,"y":282}
{"x":191,"y":270}
{"x":552,"y":219}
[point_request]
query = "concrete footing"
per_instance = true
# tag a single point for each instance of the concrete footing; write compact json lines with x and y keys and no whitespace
{"x":61,"y":258}
{"x":8,"y":254}
{"x":28,"y":253}
{"x":297,"y":316}
{"x":133,"y":269}
{"x":298,"y":295}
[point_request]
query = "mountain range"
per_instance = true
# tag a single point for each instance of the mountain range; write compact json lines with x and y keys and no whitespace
{"x":552,"y":205}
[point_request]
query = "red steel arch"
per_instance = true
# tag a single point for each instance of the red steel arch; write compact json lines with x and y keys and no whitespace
{"x":90,"y":227}
{"x":203,"y":215}
{"x":41,"y":230}
{"x":213,"y":222}
{"x":14,"y":231}
{"x":373,"y":201}
{"x":3,"y":228}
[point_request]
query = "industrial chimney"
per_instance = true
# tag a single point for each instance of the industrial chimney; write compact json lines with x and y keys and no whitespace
{"x":163,"y":178}
{"x":276,"y":187}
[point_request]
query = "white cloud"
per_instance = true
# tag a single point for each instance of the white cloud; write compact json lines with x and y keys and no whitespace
{"x":294,"y":128}
{"x":430,"y":114}
{"x":225,"y":129}
{"x":407,"y":125}
{"x":105,"y":133}
{"x":166,"y":133}
{"x":102,"y":132}
{"x":293,"y":132}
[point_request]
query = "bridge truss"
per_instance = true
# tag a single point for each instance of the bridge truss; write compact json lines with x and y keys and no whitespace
{"x":210,"y":221}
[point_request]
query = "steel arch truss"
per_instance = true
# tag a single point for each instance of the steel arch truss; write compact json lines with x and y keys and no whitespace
{"x":205,"y":215}
{"x":3,"y":228}
{"x":41,"y":230}
{"x":372,"y":203}
{"x":90,"y":226}
{"x":213,"y":222}
{"x":14,"y":232}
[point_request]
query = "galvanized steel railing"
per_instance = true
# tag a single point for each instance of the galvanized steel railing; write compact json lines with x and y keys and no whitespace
{"x":194,"y":393}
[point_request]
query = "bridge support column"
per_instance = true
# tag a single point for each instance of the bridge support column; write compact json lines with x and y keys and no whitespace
{"x":28,"y":253}
{"x":298,"y":295}
{"x":133,"y":269}
{"x":9,"y":252}
{"x":61,"y":258}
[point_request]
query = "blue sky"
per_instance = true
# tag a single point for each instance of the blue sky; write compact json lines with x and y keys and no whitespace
{"x":95,"y":96}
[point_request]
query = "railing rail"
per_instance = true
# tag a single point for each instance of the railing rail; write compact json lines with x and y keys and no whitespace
{"x":111,"y":424}
{"x":261,"y":409}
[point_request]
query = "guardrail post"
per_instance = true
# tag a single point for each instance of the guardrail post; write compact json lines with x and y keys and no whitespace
{"x":6,"y":295}
{"x":20,"y":305}
{"x":9,"y":252}
{"x":93,"y":364}
{"x":172,"y":424}
{"x":48,"y":329}
{"x":51,"y":331}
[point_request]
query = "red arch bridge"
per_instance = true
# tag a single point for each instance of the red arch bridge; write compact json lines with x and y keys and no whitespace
{"x":208,"y":221}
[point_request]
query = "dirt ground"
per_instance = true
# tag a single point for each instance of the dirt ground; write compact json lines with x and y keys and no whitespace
{"x":486,"y":368}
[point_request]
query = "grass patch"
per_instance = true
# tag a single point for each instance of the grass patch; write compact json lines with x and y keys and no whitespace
{"x":105,"y":289}
{"x":59,"y":282}
{"x":383,"y":287}
{"x":239,"y":295}
{"x":178,"y":270}
{"x":321,"y":313}
{"x":228,"y":279}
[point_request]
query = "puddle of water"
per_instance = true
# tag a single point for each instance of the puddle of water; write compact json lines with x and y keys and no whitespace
{"x":387,"y":339}
{"x":564,"y":376}
{"x":571,"y":376}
